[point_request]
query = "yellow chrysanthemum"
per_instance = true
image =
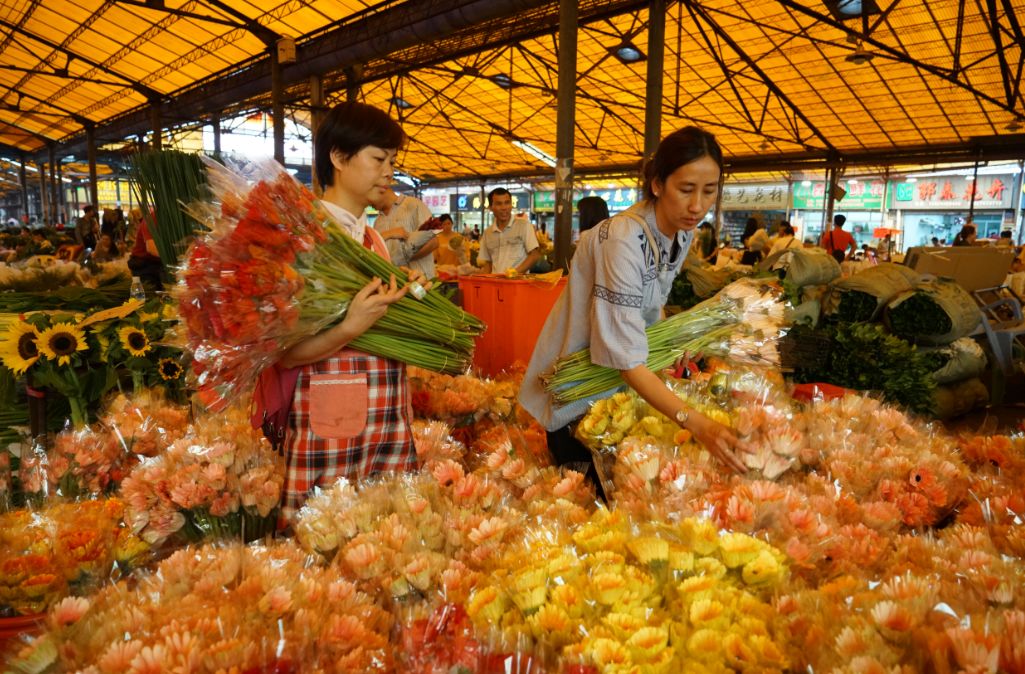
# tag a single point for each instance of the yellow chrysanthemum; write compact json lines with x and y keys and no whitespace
{"x":649,"y":549}
{"x":20,"y":349}
{"x":647,"y":643}
{"x":738,"y":549}
{"x":169,"y":369}
{"x":60,"y":342}
{"x":762,"y":569}
{"x":134,"y":340}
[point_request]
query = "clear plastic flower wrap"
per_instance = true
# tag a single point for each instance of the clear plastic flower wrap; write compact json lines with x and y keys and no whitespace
{"x":220,"y":479}
{"x":221,"y":608}
{"x":275,"y":268}
{"x":63,"y":548}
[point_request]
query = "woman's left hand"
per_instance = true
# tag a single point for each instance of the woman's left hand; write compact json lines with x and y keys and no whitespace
{"x":417,"y":276}
{"x":719,"y":440}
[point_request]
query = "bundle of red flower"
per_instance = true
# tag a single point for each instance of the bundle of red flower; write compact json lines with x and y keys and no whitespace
{"x":274,"y":269}
{"x":239,"y":287}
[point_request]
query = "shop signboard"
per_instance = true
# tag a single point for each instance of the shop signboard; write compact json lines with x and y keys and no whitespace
{"x":754,"y":197}
{"x":475,"y":201}
{"x":862,"y":195}
{"x":438,"y":203}
{"x":617,"y":199}
{"x":954,"y":193}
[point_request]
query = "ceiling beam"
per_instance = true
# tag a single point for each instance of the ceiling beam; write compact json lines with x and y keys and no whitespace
{"x":63,"y":73}
{"x":159,"y":6}
{"x":150,"y":94}
{"x":950,"y":75}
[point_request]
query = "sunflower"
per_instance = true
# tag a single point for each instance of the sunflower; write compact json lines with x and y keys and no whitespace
{"x":21,"y":347}
{"x":61,"y":341}
{"x":169,"y":369}
{"x":134,"y":340}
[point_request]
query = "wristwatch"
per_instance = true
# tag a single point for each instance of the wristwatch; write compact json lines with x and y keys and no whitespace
{"x":682,"y":416}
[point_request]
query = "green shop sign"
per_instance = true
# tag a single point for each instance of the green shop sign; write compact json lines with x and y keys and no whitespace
{"x":862,"y":195}
{"x":618,"y":199}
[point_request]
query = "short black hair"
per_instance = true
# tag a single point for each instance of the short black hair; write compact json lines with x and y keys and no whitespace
{"x":348,"y":128}
{"x":497,"y":192}
{"x":444,"y":216}
{"x":839,"y":220}
{"x":1006,"y":234}
{"x":592,"y":210}
{"x":677,"y":149}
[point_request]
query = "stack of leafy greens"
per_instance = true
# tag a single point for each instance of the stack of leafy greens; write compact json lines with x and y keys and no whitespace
{"x":110,"y":293}
{"x":864,"y":357}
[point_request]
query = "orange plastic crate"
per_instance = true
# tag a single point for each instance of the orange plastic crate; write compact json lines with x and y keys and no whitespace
{"x":514,"y":310}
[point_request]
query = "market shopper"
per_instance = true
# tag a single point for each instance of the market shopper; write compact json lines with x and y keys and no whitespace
{"x":400,"y":216}
{"x":756,"y":242}
{"x":451,"y":246}
{"x":622,"y":273}
{"x":510,"y":243}
{"x":966,"y":237}
{"x":350,"y":411}
{"x":837,"y":242}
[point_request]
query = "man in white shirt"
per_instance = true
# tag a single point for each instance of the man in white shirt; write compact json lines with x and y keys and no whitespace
{"x":507,"y":244}
{"x":401,"y":215}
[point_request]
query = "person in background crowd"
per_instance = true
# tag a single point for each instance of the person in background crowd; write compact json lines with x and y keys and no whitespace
{"x":837,"y":242}
{"x":86,"y":225}
{"x":106,"y":249}
{"x":1005,"y":239}
{"x":784,"y":240}
{"x":350,"y":413}
{"x":510,"y":243}
{"x":451,"y":247}
{"x":591,"y":211}
{"x":708,"y":243}
{"x":755,"y":241}
{"x":475,"y":233}
{"x":885,"y":248}
{"x":144,"y":260}
{"x":400,"y":216}
{"x":622,"y":273}
{"x":935,"y":242}
{"x":966,"y":237}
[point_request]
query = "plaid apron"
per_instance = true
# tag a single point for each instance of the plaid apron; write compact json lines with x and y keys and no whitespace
{"x":350,"y":418}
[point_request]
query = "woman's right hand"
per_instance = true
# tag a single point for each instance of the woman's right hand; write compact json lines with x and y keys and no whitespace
{"x":371,"y":303}
{"x":718,"y":439}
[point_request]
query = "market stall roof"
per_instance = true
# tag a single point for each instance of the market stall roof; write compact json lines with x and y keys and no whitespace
{"x":780,"y":83}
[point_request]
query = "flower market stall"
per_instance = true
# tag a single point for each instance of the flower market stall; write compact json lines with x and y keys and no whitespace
{"x":141,"y":538}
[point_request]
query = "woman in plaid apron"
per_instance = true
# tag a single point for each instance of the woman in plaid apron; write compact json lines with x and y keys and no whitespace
{"x":351,"y":411}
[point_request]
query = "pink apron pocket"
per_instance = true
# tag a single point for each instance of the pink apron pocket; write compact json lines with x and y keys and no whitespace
{"x":338,"y":405}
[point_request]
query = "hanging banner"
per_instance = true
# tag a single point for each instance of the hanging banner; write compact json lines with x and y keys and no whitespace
{"x":955,"y":193}
{"x":754,"y":197}
{"x":862,"y":195}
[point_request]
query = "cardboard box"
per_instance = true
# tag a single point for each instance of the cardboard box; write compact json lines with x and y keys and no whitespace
{"x":973,"y":267}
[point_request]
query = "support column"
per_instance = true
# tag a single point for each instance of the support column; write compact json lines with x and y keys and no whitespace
{"x":277,"y":104}
{"x":62,"y":198}
{"x":656,"y":67}
{"x":157,"y":124}
{"x":564,"y":131}
{"x":352,"y":85}
{"x":215,"y":122}
{"x":316,"y":116}
{"x":24,"y":187}
{"x":44,"y":197}
{"x":827,"y":202}
{"x":1019,"y":222}
{"x":90,"y":140}
{"x":54,"y":206}
{"x":971,"y":202}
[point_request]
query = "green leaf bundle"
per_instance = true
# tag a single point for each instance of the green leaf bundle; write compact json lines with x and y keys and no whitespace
{"x":167,"y":179}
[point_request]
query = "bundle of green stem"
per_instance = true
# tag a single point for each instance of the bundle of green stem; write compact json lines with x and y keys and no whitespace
{"x":708,"y":324}
{"x":167,"y":179}
{"x":431,"y":332}
{"x":744,"y":322}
